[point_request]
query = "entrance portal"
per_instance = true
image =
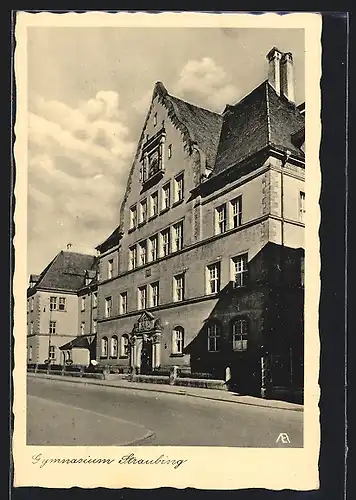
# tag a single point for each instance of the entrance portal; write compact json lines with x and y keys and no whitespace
{"x":145,"y":341}
{"x":146,"y":356}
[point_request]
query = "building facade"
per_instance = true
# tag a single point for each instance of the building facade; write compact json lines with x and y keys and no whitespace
{"x":205,"y":269}
{"x":54,"y":316}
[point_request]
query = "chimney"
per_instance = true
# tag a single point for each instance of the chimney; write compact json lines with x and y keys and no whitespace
{"x":274,"y":57}
{"x":287,"y":77}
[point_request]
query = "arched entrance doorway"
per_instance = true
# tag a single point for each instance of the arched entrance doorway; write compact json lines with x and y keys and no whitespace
{"x":145,"y":344}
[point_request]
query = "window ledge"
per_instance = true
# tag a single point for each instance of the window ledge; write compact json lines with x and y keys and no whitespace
{"x":123,"y":357}
{"x":112,"y":357}
{"x":140,"y":224}
{"x":178,"y":202}
{"x":152,"y":217}
{"x":176,"y":355}
{"x":164,"y":210}
{"x":103,"y":357}
{"x":131,"y":229}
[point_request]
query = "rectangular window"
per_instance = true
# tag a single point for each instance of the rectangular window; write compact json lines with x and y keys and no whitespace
{"x":108,"y":307}
{"x":170,"y":151}
{"x":133,"y":217}
{"x":221,"y":221}
{"x":30,"y":353}
{"x":154,"y":247}
{"x":178,"y":236}
{"x":213,"y":278}
{"x":154,"y":289}
{"x":52,"y":327}
{"x":133,"y":257}
{"x":143,"y":211}
{"x":178,"y":288}
{"x":166,"y":242}
{"x":240,"y":271}
{"x":82,"y":308}
{"x":155,"y":119}
{"x":53,"y":303}
{"x":31,"y":328}
{"x":62,"y":304}
{"x":28,"y":305}
{"x":177,"y":340}
{"x":239,"y":335}
{"x":82,"y":328}
{"x":166,"y":196}
{"x":154,"y":204}
{"x":179,"y":188}
{"x":123,"y":303}
{"x":95,"y":324}
{"x":236,"y":211}
{"x":110,"y":268}
{"x":95,"y":299}
{"x":301,"y":206}
{"x":32,"y":303}
{"x":52,"y":352}
{"x":142,"y":297}
{"x":143,"y":253}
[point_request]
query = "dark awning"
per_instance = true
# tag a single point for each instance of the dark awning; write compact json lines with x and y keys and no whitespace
{"x":82,"y":341}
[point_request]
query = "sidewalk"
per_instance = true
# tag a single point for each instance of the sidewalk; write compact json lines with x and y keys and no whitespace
{"x":211,"y":394}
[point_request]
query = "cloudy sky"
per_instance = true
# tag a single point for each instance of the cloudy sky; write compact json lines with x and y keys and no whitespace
{"x":88,"y":92}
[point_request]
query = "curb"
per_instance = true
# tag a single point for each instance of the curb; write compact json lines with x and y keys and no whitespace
{"x":180,"y":393}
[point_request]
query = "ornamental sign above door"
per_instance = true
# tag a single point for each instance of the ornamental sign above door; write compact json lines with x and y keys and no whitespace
{"x":146,"y":323}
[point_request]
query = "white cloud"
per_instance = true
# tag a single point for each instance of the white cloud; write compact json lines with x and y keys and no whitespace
{"x":142,"y":104}
{"x":78,"y":163}
{"x":205,"y":83}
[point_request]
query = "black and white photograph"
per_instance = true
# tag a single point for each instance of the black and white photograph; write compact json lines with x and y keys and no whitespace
{"x":167,"y":300}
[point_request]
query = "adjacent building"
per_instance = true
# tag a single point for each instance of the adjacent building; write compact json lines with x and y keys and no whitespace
{"x":205,"y":269}
{"x":55,"y":319}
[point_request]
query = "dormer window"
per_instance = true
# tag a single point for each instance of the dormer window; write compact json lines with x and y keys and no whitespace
{"x":155,"y":119}
{"x":152,"y":157}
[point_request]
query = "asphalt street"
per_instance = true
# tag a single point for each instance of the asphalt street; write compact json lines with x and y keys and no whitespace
{"x":66,"y":413}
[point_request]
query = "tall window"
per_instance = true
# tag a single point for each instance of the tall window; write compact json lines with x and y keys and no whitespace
{"x":155,"y":119}
{"x":53,"y":303}
{"x":178,"y":288}
{"x":166,"y":196}
{"x":166,"y":242}
{"x":133,"y":217}
{"x":62,"y":304}
{"x":239,"y":335}
{"x":95,"y":325}
{"x":123,"y":303}
{"x":95,"y":299}
{"x":240,"y":271}
{"x":213,"y":278}
{"x":32,"y":303}
{"x":108,"y":307}
{"x":142,"y":297}
{"x":30,"y":353}
{"x":169,"y":151}
{"x":31,"y":328}
{"x":221,"y":220}
{"x":179,"y":188}
{"x":52,"y":353}
{"x":178,"y":236}
{"x":133,"y":257}
{"x":110,"y":268}
{"x":124,"y":346}
{"x":302,"y":206}
{"x":236,"y":211}
{"x":104,"y":347}
{"x":114,"y":346}
{"x":82,"y":328}
{"x":154,"y":292}
{"x":52,"y":327}
{"x":154,"y":204}
{"x":143,"y":211}
{"x":178,"y":340}
{"x":154,"y":247}
{"x":213,"y":337}
{"x":143,"y":253}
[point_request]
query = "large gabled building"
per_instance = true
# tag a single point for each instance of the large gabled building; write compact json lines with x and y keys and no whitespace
{"x":54,"y":303}
{"x":205,"y":269}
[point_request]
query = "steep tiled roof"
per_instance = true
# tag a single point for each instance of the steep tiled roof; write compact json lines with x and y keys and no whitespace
{"x":66,"y":271}
{"x":260,"y":119}
{"x":204,"y":126}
